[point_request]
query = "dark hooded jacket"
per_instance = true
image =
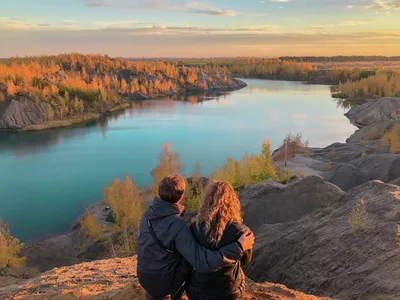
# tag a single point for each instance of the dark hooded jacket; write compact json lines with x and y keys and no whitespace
{"x":228,"y":283}
{"x":156,"y":267}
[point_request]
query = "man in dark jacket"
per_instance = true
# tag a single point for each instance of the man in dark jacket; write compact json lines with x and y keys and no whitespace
{"x":164,"y":241}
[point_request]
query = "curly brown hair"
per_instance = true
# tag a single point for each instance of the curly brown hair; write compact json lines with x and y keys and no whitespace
{"x":219,"y":206}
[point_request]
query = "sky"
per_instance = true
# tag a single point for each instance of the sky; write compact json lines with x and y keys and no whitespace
{"x":179,"y":28}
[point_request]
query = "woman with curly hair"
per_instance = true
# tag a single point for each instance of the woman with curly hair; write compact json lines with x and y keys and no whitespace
{"x":219,"y":223}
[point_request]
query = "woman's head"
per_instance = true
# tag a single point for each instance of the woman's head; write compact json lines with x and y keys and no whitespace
{"x":219,"y":206}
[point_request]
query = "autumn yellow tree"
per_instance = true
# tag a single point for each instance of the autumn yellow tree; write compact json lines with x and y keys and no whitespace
{"x":392,"y":138}
{"x":10,"y":248}
{"x":168,"y":163}
{"x":91,"y":228}
{"x":11,"y":88}
{"x":126,"y":200}
{"x":228,"y":172}
{"x":249,"y":169}
{"x":269,"y":170}
{"x":194,"y":190}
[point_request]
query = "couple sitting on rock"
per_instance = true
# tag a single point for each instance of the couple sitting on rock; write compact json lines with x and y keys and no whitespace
{"x":205,"y":259}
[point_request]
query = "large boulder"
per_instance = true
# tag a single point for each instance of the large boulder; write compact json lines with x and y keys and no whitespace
{"x":345,"y":152}
{"x":321,"y":253}
{"x":373,"y":132}
{"x":385,"y":167}
{"x":270,"y":202}
{"x":376,"y":111}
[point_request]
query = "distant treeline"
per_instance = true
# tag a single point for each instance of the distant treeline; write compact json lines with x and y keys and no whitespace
{"x":340,"y":58}
{"x":287,"y":70}
{"x":349,"y":82}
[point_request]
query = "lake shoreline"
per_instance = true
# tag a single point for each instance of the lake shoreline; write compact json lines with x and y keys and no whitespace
{"x":90,"y":117}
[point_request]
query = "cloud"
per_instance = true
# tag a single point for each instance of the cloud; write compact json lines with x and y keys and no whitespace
{"x":345,"y":23}
{"x":355,"y":23}
{"x":170,"y":5}
{"x":383,"y":4}
{"x":320,"y":26}
{"x":69,"y":21}
{"x":212,"y":11}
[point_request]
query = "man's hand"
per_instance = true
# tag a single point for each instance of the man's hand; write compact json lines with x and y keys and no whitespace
{"x":247,"y":240}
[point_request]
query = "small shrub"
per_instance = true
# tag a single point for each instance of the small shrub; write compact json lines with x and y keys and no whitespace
{"x":285,"y":175}
{"x":292,"y":145}
{"x":32,"y":272}
{"x":10,"y":247}
{"x":250,"y":169}
{"x":301,"y":173}
{"x":364,"y":154}
{"x":398,"y":235}
{"x":327,"y":165}
{"x":193,"y":193}
{"x":358,"y":217}
{"x":2,"y":97}
{"x":373,"y":134}
{"x":192,"y":198}
{"x":333,"y":151}
{"x":91,"y":228}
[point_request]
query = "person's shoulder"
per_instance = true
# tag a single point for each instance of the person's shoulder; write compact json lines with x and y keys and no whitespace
{"x":178,"y":221}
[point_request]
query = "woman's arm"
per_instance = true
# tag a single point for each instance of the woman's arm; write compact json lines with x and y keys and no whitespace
{"x":248,"y":254}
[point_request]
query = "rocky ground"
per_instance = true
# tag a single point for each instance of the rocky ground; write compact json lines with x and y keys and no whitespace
{"x":314,"y":234}
{"x":114,"y":279}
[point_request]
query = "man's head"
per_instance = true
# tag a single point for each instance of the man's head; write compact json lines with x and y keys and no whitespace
{"x":172,"y":188}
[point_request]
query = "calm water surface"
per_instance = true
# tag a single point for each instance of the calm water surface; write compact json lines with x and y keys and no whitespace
{"x":47,"y":178}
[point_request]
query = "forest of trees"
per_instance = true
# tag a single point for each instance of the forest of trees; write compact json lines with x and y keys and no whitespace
{"x":340,"y":58}
{"x":74,"y":84}
{"x":350,"y":83}
{"x":287,"y":70}
{"x":383,"y":84}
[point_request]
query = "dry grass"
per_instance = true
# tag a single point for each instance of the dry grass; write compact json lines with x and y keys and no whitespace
{"x":373,"y":134}
{"x":115,"y":279}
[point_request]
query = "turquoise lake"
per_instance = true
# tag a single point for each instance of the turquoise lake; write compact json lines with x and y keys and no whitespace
{"x":48,"y":177}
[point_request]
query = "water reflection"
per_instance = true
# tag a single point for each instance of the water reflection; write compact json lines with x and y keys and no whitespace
{"x":346,"y":103}
{"x":24,"y":143}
